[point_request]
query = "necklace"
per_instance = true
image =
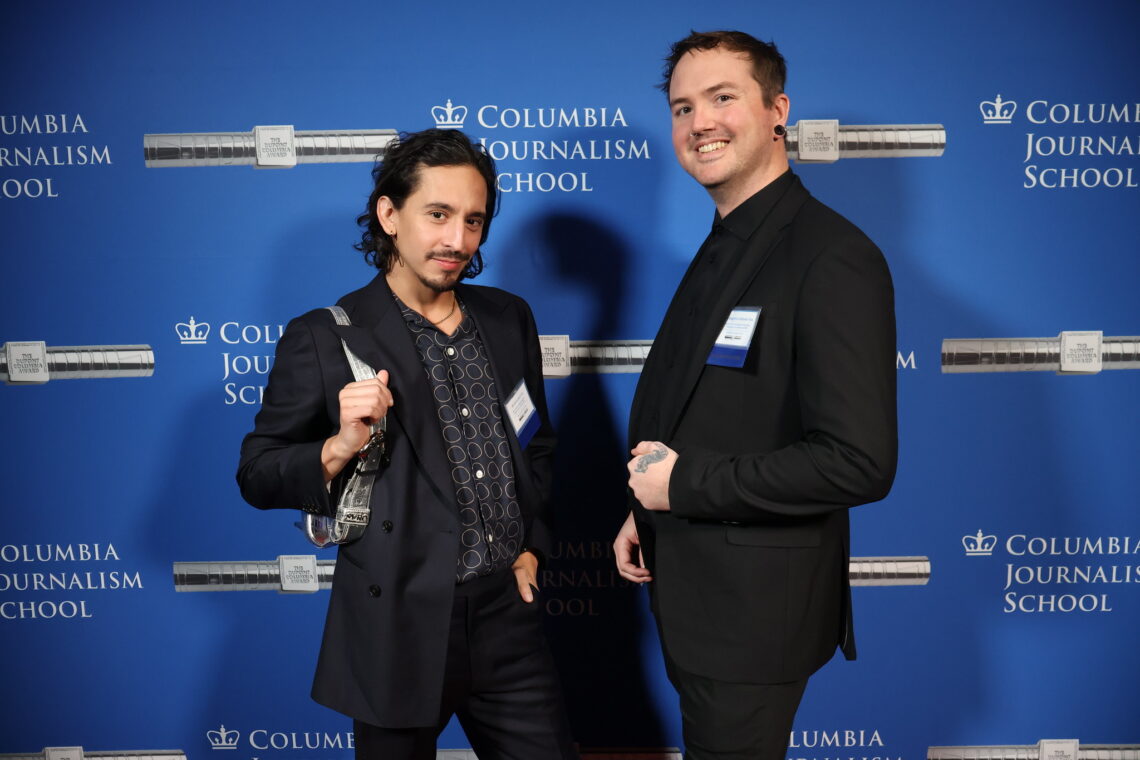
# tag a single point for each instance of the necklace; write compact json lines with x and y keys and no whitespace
{"x":447,"y":316}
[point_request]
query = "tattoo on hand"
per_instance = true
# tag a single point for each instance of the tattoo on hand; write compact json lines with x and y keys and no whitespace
{"x":645,"y":460}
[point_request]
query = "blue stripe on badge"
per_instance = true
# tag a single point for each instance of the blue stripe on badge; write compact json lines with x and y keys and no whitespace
{"x":529,"y":428}
{"x":727,"y":356}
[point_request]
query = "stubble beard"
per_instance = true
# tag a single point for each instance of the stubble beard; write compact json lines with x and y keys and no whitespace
{"x":447,"y":280}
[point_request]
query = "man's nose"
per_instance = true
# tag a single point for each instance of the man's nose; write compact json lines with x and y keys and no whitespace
{"x":453,"y":237}
{"x":703,"y":119}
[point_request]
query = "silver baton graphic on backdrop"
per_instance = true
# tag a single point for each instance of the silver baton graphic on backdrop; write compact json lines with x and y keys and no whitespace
{"x":33,"y":362}
{"x":888,"y":571}
{"x":807,"y":141}
{"x":266,"y":575}
{"x":608,"y":356}
{"x":826,"y":140}
{"x":265,"y":147}
{"x":1071,"y":352}
{"x":1046,"y":749}
{"x":241,"y":576}
{"x":77,"y":753}
{"x":586,"y":753}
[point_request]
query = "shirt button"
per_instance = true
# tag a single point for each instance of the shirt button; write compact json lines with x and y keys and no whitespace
{"x":464,"y":411}
{"x":386,"y":526}
{"x":478,"y":473}
{"x":490,"y":538}
{"x":374,"y":591}
{"x":450,"y":351}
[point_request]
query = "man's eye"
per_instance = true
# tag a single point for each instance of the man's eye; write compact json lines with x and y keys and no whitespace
{"x":723,"y":98}
{"x":682,"y":111}
{"x":436,"y":214}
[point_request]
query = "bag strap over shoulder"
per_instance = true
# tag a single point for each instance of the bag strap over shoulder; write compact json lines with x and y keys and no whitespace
{"x":353,"y":509}
{"x":360,"y":370}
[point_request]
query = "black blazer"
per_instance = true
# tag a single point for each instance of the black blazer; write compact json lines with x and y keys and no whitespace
{"x":385,"y":638}
{"x":750,"y":567}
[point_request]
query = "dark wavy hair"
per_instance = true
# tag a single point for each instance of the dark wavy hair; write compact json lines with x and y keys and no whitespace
{"x":768,"y":66}
{"x":397,"y":175}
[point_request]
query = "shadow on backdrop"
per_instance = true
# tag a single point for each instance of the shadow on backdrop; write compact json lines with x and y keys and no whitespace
{"x":595,"y":619}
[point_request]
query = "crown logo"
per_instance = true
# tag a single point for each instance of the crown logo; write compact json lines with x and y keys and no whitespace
{"x":223,"y":739}
{"x":449,"y":116}
{"x":979,"y":545}
{"x":192,"y":332}
{"x":997,"y":111}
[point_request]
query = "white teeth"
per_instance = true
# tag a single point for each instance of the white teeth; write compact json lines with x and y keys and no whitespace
{"x":712,"y":147}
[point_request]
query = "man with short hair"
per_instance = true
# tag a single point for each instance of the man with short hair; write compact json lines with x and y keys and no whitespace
{"x":433,"y":610}
{"x":765,"y":410}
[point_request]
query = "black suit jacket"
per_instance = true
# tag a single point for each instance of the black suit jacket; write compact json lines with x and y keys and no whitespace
{"x":385,"y":639}
{"x":750,"y":567}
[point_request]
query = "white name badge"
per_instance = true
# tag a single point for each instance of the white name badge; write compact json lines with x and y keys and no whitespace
{"x":731,"y":345}
{"x":522,"y":414}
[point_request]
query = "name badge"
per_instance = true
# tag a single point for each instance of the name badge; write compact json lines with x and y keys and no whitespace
{"x":731,"y":345}
{"x":522,"y":414}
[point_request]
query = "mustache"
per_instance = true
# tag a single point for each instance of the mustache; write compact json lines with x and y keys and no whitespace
{"x":449,"y":256}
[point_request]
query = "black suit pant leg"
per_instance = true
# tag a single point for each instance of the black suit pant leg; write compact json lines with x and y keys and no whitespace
{"x":500,"y":681}
{"x":734,"y":721}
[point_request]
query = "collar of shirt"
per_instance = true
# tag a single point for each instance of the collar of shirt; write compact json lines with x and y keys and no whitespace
{"x":746,"y":218}
{"x":414,"y":317}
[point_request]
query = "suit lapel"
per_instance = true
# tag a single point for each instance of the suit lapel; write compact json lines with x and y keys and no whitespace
{"x":654,"y":366}
{"x":757,"y":250}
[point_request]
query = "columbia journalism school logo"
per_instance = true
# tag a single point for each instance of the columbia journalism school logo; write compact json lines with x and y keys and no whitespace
{"x":979,"y":545}
{"x":1050,"y":574}
{"x":449,"y":116}
{"x":192,"y":333}
{"x":246,"y":356}
{"x":223,"y":739}
{"x":997,"y":111}
{"x":562,"y":142}
{"x":1069,"y":146}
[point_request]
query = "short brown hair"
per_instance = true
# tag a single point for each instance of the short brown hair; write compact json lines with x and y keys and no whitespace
{"x":768,"y":67}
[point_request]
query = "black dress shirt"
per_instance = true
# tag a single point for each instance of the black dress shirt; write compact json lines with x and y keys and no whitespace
{"x":471,"y":423}
{"x":706,"y":276}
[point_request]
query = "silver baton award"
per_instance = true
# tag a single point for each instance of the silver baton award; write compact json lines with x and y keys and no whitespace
{"x":266,"y":575}
{"x":1039,"y":751}
{"x":265,"y":147}
{"x":33,"y":362}
{"x":1077,"y":352}
{"x":826,"y":140}
{"x":77,"y":753}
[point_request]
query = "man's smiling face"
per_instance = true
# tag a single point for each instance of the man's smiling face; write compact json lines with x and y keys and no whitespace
{"x":723,"y":133}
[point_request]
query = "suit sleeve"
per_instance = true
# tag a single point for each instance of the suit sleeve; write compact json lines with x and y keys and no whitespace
{"x":280,"y":464}
{"x":845,"y":380}
{"x":540,"y":451}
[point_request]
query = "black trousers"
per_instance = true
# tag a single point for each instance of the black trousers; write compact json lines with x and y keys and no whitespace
{"x":734,"y":721}
{"x":500,"y":681}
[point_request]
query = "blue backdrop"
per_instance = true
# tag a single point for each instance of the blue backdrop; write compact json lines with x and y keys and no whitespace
{"x":1020,"y":229}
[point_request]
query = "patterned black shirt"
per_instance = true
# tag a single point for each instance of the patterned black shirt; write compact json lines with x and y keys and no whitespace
{"x":471,"y":422}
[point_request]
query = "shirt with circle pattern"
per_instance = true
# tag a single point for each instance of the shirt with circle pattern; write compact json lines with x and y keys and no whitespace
{"x":471,"y":422}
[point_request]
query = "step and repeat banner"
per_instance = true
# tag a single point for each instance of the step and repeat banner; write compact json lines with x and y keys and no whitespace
{"x":178,"y":181}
